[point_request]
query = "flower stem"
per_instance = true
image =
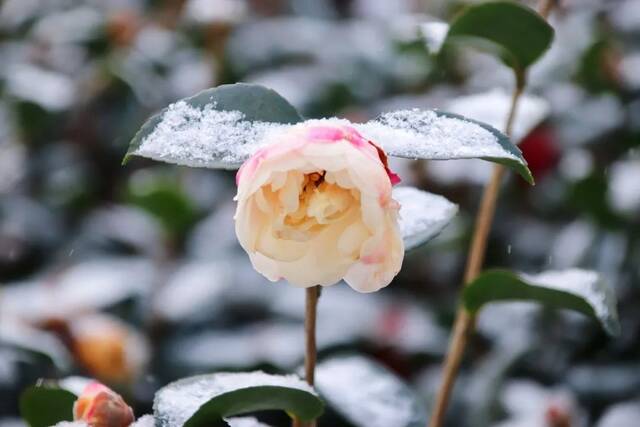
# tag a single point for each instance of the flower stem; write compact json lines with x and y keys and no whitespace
{"x":465,"y":322}
{"x":313,"y":294}
{"x":311,"y":306}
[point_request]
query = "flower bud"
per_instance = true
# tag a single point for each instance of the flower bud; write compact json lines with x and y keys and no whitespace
{"x":99,"y":406}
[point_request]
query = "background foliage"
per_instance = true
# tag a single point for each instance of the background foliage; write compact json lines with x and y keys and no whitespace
{"x":133,"y":274}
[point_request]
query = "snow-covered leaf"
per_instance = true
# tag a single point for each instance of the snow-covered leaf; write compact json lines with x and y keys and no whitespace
{"x":212,"y":128}
{"x":621,"y":415}
{"x":515,"y":33}
{"x":492,"y":108}
{"x":224,"y":126}
{"x":438,"y":135}
{"x":19,"y":335}
{"x":367,"y":394}
{"x":201,"y":400}
{"x":579,"y":290}
{"x":92,"y":284}
{"x":52,"y":91}
{"x":422,"y":215}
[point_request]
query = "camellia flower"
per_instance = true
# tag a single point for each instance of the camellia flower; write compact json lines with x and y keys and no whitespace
{"x":315,"y":206}
{"x":99,"y":406}
{"x":315,"y":199}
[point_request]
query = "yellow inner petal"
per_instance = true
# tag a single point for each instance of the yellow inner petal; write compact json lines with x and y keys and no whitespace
{"x":305,"y":204}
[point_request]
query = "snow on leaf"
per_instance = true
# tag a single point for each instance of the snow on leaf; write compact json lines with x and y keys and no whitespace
{"x":436,"y":135}
{"x":224,"y":126}
{"x":195,"y":400}
{"x":191,"y":136}
{"x":50,"y":90}
{"x":144,"y":421}
{"x":366,"y":394}
{"x":422,"y":215}
{"x":20,"y":335}
{"x":434,"y":33}
{"x":244,"y":422}
{"x":492,"y":108}
{"x":620,"y":415}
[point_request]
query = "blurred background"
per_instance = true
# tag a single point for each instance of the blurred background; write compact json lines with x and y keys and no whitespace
{"x":132,"y":275}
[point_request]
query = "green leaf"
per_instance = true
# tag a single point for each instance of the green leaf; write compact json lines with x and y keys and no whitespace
{"x":204,"y":400}
{"x":368,"y":395}
{"x":438,"y":135}
{"x":255,"y":103}
{"x":578,"y":290}
{"x":513,"y":32}
{"x":46,"y":404}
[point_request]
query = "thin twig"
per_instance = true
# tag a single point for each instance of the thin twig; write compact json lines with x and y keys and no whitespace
{"x":465,"y":322}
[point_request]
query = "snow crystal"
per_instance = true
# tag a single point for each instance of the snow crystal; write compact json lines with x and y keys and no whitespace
{"x":215,"y":11}
{"x":71,"y":424}
{"x":624,"y":190}
{"x":194,"y":287}
{"x":52,"y":91}
{"x":206,"y":137}
{"x":178,"y":401}
{"x":434,"y":34}
{"x":244,"y":422}
{"x":492,"y":108}
{"x":364,"y":394}
{"x":626,"y":16}
{"x":585,"y":284}
{"x":572,"y":243}
{"x":144,"y":421}
{"x":629,"y":67}
{"x":68,"y":26}
{"x":621,"y":415}
{"x":74,"y":384}
{"x":423,"y":134}
{"x":422,"y":215}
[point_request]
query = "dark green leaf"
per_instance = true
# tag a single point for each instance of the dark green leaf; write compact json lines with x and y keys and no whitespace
{"x":367,"y":394}
{"x":47,"y":404}
{"x":579,"y":290}
{"x":256,"y":103}
{"x":515,"y":33}
{"x":205,"y":400}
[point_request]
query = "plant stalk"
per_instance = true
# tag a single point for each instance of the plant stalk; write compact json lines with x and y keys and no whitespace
{"x":311,"y":310}
{"x":465,"y":322}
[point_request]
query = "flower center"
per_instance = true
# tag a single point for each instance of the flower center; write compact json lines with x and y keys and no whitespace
{"x":320,"y":204}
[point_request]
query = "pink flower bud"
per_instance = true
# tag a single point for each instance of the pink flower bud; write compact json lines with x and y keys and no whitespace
{"x":99,"y":406}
